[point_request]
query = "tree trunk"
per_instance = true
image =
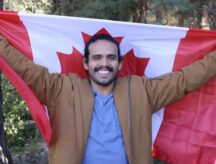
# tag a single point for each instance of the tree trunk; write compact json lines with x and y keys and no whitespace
{"x":5,"y":156}
{"x":180,"y":17}
{"x":140,"y":12}
{"x":1,"y":4}
{"x":161,"y":17}
{"x":199,"y":12}
{"x":212,"y":14}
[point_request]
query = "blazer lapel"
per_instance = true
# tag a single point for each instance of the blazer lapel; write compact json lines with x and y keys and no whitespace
{"x":84,"y":102}
{"x":121,"y":102}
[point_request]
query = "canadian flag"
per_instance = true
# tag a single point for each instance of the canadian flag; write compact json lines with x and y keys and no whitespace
{"x":183,"y":132}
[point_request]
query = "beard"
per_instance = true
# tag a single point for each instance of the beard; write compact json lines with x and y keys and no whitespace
{"x":103,"y":81}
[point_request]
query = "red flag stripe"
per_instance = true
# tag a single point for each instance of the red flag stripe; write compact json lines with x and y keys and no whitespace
{"x":189,"y":124}
{"x":37,"y":111}
{"x":14,"y":30}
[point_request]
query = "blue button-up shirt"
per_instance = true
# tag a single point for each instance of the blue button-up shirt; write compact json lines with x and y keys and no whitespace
{"x":105,"y":142}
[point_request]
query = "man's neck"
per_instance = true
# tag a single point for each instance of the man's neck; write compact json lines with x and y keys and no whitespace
{"x":104,"y":90}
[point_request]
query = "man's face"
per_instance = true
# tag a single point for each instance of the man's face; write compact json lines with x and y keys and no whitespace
{"x":103,"y":64}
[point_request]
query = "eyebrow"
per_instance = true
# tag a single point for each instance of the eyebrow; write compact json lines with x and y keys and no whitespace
{"x":112,"y":55}
{"x":106,"y":55}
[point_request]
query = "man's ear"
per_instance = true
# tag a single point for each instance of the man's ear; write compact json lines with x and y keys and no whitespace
{"x":85,"y":63}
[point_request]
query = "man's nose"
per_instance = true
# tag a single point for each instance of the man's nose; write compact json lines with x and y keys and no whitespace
{"x":104,"y":62}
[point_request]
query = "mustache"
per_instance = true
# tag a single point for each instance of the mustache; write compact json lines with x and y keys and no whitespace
{"x":106,"y":67}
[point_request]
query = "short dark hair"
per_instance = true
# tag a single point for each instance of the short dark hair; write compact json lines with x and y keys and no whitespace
{"x":97,"y":37}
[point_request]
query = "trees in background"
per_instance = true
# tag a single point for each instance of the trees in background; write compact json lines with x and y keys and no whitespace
{"x":5,"y":156}
{"x":185,"y":13}
{"x":31,"y":6}
{"x":212,"y":14}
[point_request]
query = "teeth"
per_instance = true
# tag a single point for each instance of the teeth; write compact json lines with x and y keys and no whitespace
{"x":103,"y":72}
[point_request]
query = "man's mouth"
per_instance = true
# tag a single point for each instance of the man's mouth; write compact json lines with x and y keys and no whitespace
{"x":103,"y":72}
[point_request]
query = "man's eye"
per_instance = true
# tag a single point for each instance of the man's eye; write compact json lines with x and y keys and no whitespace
{"x":96,"y":57}
{"x":112,"y":57}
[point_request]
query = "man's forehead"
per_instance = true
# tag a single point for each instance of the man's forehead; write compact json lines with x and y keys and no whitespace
{"x":103,"y":47}
{"x":102,"y":42}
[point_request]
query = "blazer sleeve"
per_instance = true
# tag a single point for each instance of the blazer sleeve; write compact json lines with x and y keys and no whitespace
{"x":46,"y":86}
{"x":170,"y":87}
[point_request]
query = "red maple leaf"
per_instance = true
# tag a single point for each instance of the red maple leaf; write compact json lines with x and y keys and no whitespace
{"x":86,"y":37}
{"x":133,"y":65}
{"x":73,"y":63}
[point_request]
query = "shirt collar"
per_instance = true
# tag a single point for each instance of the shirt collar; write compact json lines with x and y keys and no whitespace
{"x":99,"y":95}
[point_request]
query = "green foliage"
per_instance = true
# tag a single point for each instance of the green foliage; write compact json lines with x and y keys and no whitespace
{"x":17,"y":122}
{"x":31,"y":6}
{"x":106,"y":9}
{"x":172,"y":4}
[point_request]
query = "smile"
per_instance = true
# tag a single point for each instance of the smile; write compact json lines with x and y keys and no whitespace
{"x":103,"y":72}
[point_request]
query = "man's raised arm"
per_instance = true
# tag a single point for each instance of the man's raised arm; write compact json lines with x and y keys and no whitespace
{"x":170,"y":87}
{"x":43,"y":84}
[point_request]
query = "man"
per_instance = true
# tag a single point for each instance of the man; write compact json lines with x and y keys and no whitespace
{"x":105,"y":119}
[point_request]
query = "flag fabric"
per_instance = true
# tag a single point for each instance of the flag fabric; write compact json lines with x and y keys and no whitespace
{"x":182,"y":132}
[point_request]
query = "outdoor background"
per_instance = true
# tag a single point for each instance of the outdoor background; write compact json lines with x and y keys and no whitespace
{"x":22,"y":138}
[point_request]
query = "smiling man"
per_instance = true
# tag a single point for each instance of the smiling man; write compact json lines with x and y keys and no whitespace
{"x":104,"y":119}
{"x":102,"y":61}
